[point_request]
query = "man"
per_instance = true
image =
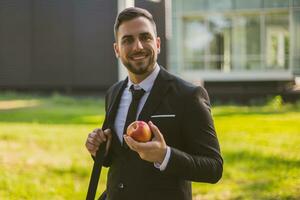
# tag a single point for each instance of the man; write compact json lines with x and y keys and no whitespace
{"x":184,"y":147}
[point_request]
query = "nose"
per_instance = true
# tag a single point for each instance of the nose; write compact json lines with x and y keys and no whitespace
{"x":138,"y":45}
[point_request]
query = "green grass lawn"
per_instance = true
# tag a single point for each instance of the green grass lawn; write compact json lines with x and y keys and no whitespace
{"x":42,"y":153}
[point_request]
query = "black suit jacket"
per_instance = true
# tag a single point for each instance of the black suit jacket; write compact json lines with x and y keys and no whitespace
{"x":188,"y":130}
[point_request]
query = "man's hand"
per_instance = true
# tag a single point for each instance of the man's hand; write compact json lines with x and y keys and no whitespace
{"x":153,"y":151}
{"x":97,"y":137}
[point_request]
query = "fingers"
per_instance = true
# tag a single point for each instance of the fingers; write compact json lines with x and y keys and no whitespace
{"x":132,"y":144}
{"x":97,"y":137}
{"x":152,"y":151}
{"x":101,"y":135}
{"x":156,"y":132}
{"x":139,"y":146}
{"x":91,"y":147}
{"x":107,"y":132}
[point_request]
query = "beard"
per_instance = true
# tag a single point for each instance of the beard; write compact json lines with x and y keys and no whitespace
{"x":140,"y":67}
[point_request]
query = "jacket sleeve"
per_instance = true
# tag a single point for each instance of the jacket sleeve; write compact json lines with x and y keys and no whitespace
{"x":200,"y":158}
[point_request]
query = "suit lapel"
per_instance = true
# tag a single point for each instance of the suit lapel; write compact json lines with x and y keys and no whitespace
{"x":159,"y":89}
{"x":114,"y":103}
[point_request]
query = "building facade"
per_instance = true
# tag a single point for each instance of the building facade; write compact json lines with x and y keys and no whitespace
{"x":235,"y":40}
{"x":64,"y":45}
{"x":230,"y":46}
{"x":57,"y":45}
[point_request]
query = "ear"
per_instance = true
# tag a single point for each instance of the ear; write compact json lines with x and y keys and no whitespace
{"x":116,"y":48}
{"x":158,"y":44}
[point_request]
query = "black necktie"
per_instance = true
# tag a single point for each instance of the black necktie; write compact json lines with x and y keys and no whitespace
{"x":132,"y":111}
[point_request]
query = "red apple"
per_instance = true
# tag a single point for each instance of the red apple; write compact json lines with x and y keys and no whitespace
{"x":139,"y":131}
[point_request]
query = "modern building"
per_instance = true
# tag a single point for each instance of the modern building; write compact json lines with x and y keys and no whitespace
{"x":57,"y":45}
{"x":236,"y":46}
{"x":233,"y":47}
{"x":63,"y":45}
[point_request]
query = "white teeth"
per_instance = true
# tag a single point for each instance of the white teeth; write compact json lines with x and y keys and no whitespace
{"x":138,"y":57}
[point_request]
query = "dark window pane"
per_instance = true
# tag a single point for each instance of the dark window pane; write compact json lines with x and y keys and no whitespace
{"x":219,"y":47}
{"x":297,"y":3}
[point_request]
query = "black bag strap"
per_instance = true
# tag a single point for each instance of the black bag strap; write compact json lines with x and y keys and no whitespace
{"x":96,"y":172}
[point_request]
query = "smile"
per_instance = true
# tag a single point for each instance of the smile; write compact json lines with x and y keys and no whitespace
{"x":138,"y":57}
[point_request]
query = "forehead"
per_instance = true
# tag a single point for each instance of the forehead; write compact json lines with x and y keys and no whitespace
{"x":135,"y":27}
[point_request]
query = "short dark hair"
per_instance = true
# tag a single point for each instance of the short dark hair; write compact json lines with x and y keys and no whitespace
{"x":132,"y":13}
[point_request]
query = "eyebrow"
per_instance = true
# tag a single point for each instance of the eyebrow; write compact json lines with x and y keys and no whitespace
{"x":129,"y":36}
{"x":145,"y":33}
{"x":126,"y":36}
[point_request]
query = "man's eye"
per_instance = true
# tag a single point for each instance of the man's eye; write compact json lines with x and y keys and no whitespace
{"x":146,"y":38}
{"x":127,"y":41}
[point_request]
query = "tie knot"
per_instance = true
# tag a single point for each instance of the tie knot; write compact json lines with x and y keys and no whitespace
{"x":137,"y":94}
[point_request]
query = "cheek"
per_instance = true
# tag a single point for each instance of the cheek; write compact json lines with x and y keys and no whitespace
{"x":123,"y":52}
{"x":155,"y":50}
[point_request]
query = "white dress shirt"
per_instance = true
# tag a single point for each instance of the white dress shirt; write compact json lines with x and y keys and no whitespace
{"x":125,"y":101}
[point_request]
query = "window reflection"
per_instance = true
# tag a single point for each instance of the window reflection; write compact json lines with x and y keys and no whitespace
{"x":219,"y":48}
{"x":197,"y":37}
{"x":277,"y":41}
{"x":246,"y":43}
{"x":257,"y":41}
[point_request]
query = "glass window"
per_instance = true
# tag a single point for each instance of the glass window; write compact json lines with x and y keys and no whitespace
{"x":220,"y":5}
{"x":196,"y":37}
{"x":246,"y":44}
{"x":248,"y":4}
{"x":297,"y":3}
{"x":219,"y":51}
{"x":239,"y":42}
{"x":277,"y":41}
{"x":194,"y":5}
{"x":296,"y":42}
{"x":223,"y":43}
{"x":276,"y":3}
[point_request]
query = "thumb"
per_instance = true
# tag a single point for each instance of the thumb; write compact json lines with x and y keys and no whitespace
{"x":107,"y":132}
{"x":156,"y":132}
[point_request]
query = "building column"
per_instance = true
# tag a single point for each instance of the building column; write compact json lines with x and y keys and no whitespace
{"x":122,"y":4}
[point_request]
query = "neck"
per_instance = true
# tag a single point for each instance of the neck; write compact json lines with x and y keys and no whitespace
{"x":137,"y":78}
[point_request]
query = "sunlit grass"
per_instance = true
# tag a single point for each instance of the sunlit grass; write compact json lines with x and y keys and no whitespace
{"x":14,"y":104}
{"x":42,"y":153}
{"x":261,"y":150}
{"x":44,"y":161}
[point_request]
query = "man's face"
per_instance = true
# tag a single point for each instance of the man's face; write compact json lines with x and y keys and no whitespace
{"x":137,"y":45}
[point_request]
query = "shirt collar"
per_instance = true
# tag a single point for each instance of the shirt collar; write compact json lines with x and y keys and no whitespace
{"x":148,"y":82}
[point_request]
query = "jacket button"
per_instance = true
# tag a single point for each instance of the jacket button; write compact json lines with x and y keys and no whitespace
{"x":121,"y":186}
